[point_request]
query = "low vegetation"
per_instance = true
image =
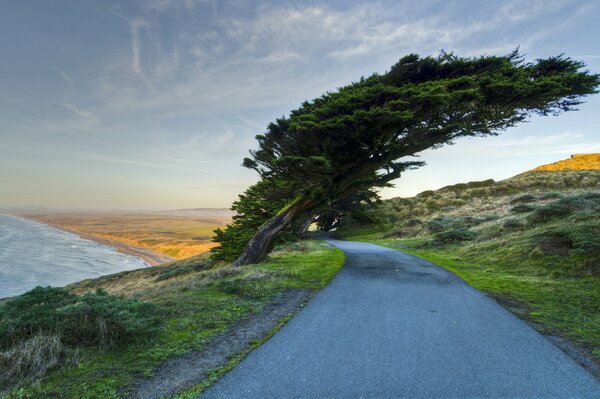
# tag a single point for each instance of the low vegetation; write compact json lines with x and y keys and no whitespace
{"x":90,"y":339}
{"x":532,"y":241}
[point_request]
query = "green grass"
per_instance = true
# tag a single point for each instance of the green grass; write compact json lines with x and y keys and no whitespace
{"x":196,"y":303}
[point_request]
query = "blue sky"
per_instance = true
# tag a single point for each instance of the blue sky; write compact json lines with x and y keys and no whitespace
{"x":154,"y":103}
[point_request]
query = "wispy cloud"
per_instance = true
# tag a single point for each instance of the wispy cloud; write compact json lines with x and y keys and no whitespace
{"x":136,"y":25}
{"x":242,"y":60}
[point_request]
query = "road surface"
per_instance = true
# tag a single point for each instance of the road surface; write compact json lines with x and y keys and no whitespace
{"x":391,"y":325}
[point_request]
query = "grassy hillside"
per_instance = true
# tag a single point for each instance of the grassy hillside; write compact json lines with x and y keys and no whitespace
{"x":531,"y":241}
{"x":576,"y":162}
{"x":92,"y":338}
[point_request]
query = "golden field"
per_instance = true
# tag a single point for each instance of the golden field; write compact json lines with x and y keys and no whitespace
{"x":171,"y":236}
{"x":576,"y":162}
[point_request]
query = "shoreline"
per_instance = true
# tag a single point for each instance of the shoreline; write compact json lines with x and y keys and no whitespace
{"x":150,"y":257}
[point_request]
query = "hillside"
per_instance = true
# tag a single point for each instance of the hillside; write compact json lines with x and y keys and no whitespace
{"x":104,"y":337}
{"x":576,"y":162}
{"x":531,"y":241}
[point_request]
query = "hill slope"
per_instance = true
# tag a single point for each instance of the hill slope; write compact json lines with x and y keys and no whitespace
{"x":106,"y":337}
{"x":576,"y":162}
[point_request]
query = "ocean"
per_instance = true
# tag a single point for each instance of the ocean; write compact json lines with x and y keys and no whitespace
{"x":33,"y":254}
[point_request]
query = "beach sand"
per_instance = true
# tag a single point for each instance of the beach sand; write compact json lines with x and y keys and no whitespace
{"x":155,"y":238}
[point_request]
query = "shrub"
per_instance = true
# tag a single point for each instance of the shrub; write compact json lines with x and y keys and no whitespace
{"x":413,"y":222}
{"x":443,"y":223}
{"x":512,"y":224}
{"x":93,"y":319}
{"x":523,"y":199}
{"x":523,"y":208}
{"x":550,"y":195}
{"x":453,"y":236}
{"x":566,"y":206}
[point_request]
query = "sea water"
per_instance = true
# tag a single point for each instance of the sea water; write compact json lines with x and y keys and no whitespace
{"x":34,"y":254}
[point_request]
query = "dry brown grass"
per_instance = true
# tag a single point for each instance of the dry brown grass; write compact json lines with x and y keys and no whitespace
{"x":576,"y":162}
{"x":31,"y":359}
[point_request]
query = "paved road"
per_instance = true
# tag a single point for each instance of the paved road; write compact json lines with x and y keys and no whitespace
{"x":391,"y":325}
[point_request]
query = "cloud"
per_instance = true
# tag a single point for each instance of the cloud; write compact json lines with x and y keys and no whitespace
{"x":136,"y":25}
{"x":208,"y":64}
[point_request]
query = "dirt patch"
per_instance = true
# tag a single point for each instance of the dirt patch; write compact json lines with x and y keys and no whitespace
{"x":515,"y":307}
{"x":186,"y":371}
{"x":556,"y":246}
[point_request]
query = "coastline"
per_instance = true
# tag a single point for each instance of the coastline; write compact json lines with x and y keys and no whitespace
{"x":150,"y":257}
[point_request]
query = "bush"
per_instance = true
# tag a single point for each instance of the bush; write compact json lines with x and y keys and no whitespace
{"x":523,"y":208}
{"x":550,"y":195}
{"x":523,"y":199}
{"x":512,"y":224}
{"x":94,"y":319}
{"x":565,"y":207}
{"x":443,"y":223}
{"x":453,"y":236}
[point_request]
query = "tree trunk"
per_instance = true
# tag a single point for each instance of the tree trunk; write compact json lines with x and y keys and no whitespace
{"x":305,"y":227}
{"x":259,"y":246}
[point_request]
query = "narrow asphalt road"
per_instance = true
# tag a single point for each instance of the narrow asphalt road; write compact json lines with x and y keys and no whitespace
{"x":391,"y":325}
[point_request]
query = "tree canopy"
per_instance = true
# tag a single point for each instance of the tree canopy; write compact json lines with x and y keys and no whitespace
{"x":334,"y":152}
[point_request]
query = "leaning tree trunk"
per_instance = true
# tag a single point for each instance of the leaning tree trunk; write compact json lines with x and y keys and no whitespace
{"x":305,"y":226}
{"x":262,"y":242}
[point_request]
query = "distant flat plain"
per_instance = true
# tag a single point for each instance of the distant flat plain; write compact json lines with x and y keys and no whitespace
{"x":156,"y":237}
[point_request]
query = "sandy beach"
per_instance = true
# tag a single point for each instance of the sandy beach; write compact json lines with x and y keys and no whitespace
{"x":155,"y":238}
{"x":150,"y":257}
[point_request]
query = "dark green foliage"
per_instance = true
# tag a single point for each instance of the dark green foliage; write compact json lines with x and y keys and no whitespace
{"x":566,"y":206}
{"x":550,"y":195}
{"x":512,"y":224}
{"x":522,"y":199}
{"x":523,"y":208}
{"x":366,"y":134}
{"x":414,"y":222}
{"x":94,"y":319}
{"x":259,"y":203}
{"x":582,"y":232}
{"x":453,"y":236}
{"x":443,"y":223}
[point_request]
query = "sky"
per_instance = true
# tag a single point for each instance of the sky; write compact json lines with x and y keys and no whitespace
{"x":153,"y":104}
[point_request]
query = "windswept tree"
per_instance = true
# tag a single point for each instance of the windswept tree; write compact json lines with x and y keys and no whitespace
{"x":332,"y":152}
